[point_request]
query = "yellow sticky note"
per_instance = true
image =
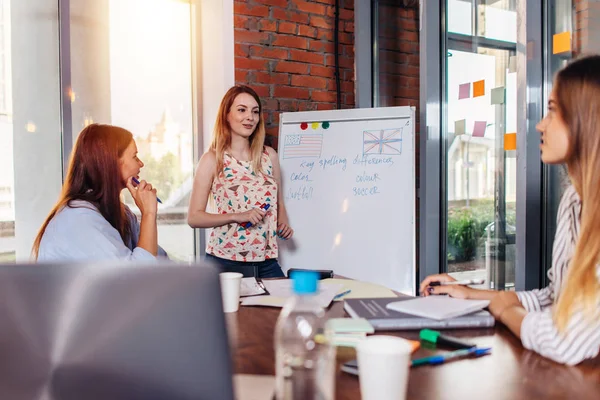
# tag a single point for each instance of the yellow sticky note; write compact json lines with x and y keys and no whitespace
{"x":478,"y":88}
{"x":561,"y":43}
{"x":510,"y":141}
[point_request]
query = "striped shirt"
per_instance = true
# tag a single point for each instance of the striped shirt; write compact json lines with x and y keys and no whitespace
{"x":581,"y":338}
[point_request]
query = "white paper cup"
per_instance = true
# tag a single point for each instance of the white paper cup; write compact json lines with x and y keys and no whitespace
{"x":230,"y":290}
{"x":383,"y":366}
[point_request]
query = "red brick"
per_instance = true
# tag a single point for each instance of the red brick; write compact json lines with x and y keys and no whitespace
{"x":267,"y":25}
{"x":305,"y":30}
{"x":307,"y":57}
{"x":326,"y":72}
{"x":349,"y":99}
{"x":261,"y":90}
{"x":272,"y":78}
{"x":272,"y":131}
{"x":277,"y":3}
{"x":251,"y":63}
{"x":348,"y":50}
{"x":325,"y":106}
{"x":288,"y":92}
{"x":243,"y":36}
{"x":240,"y":21}
{"x":287,"y":27}
{"x":288,"y":105}
{"x":307,"y":106}
{"x":245,"y":9}
{"x":322,"y":46}
{"x":408,"y":36}
{"x":241,"y":50}
{"x":291,"y":67}
{"x":269,"y":52}
{"x":291,"y":41}
{"x":311,"y":8}
{"x":347,"y":87}
{"x":346,"y":38}
{"x":325,"y":34}
{"x":285,"y":15}
{"x":349,"y":26}
{"x":330,"y":2}
{"x":241,"y":76}
{"x":320,"y":22}
{"x":323,"y":96}
{"x":309,"y":81}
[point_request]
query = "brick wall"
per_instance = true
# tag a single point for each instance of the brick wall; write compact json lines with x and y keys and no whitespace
{"x":284,"y":49}
{"x":586,"y":29}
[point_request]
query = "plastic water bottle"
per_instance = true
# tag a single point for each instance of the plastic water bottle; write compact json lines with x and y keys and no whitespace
{"x":304,"y":354}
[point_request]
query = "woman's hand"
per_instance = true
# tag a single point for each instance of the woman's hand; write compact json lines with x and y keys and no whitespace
{"x":144,"y":196}
{"x":254,"y":216}
{"x":284,"y":231}
{"x":433,"y":278}
{"x":502,"y":301}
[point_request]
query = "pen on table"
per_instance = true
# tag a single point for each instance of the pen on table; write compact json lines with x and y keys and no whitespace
{"x":436,"y":337}
{"x":138,"y":182}
{"x":452,"y":355}
{"x":340,"y":295}
{"x":465,"y":282}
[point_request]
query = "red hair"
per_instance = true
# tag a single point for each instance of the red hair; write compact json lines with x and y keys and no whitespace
{"x":94,"y":176}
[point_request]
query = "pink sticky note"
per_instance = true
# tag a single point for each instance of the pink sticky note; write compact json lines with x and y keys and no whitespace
{"x":479,"y":128}
{"x":464,"y":91}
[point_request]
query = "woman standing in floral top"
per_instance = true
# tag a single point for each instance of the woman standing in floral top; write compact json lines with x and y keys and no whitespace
{"x":242,"y":176}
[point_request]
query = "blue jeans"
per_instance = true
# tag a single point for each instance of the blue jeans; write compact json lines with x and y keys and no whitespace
{"x":260,"y":269}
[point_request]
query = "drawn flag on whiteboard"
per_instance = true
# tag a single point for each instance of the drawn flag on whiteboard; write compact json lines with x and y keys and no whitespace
{"x":302,"y":146}
{"x":383,"y":141}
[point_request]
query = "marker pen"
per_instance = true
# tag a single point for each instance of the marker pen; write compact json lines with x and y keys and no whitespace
{"x":249,"y":224}
{"x":436,"y":337}
{"x":133,"y":178}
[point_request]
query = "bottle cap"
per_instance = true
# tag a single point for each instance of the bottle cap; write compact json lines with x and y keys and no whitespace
{"x":305,"y":282}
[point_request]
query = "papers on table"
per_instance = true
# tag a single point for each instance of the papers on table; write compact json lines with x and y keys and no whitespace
{"x":281,"y":289}
{"x":251,"y":287}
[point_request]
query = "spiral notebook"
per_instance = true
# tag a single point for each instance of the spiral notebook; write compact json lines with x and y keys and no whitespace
{"x":438,"y":307}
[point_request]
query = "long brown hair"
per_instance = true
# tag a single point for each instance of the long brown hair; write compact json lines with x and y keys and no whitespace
{"x":221,"y":140}
{"x":577,"y":89}
{"x":94,"y":175}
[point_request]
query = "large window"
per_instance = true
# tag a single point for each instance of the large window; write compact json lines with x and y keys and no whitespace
{"x":7,"y":197}
{"x":480,"y":140}
{"x":131,"y":66}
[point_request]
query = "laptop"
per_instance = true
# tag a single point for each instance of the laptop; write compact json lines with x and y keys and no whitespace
{"x":109,"y":331}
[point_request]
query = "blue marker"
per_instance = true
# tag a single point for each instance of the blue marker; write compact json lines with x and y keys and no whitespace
{"x":340,"y":295}
{"x":442,"y":358}
{"x":249,"y":224}
{"x":133,"y":178}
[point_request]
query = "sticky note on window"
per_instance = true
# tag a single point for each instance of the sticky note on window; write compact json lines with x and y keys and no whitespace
{"x":460,"y":127}
{"x":464,"y":91}
{"x":561,"y":43}
{"x":497,"y":95}
{"x":510,"y":141}
{"x":479,"y":128}
{"x":478,"y":88}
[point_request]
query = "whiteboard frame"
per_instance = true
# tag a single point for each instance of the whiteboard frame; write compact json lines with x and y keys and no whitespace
{"x":363,"y":114}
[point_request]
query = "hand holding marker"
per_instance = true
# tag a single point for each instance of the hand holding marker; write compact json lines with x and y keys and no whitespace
{"x":263,"y":206}
{"x":134,"y":179}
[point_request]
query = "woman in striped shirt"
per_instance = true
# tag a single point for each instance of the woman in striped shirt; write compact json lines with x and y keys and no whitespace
{"x":561,"y":321}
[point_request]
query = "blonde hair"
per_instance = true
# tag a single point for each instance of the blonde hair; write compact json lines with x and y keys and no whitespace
{"x":577,"y":89}
{"x":221,"y":140}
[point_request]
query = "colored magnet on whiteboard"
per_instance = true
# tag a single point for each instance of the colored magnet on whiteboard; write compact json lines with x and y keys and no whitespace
{"x":561,"y":43}
{"x":303,"y":126}
{"x":510,"y":141}
{"x":479,"y":88}
{"x":325,"y":125}
{"x":314,"y":125}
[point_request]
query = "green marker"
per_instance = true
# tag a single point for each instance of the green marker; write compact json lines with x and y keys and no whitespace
{"x":436,"y":337}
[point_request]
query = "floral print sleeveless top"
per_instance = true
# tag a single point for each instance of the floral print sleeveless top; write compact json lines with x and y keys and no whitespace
{"x":237,"y":189}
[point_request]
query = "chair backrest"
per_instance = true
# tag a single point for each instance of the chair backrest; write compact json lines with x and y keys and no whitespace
{"x":79,"y":331}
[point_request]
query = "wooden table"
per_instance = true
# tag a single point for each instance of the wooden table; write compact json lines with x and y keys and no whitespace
{"x":510,"y":372}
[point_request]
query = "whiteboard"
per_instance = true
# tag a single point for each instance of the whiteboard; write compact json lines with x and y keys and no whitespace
{"x":348,"y":182}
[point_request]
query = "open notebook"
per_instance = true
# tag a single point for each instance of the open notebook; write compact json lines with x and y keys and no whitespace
{"x":438,"y":307}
